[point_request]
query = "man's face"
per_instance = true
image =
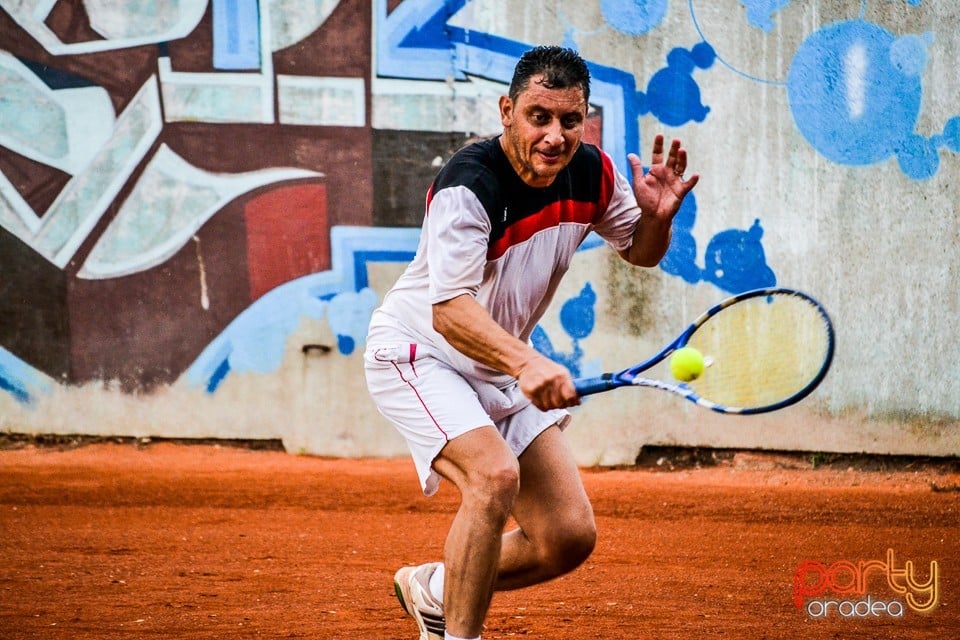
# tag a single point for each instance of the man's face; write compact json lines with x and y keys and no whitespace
{"x":541,"y":130}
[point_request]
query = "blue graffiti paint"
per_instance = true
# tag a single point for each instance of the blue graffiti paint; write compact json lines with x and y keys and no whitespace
{"x":218,"y":375}
{"x":613,"y":90}
{"x":349,"y":316}
{"x":432,"y":32}
{"x":236,"y":34}
{"x":918,"y":157}
{"x":681,"y":257}
{"x":416,"y":41}
{"x":672,"y":95}
{"x":634,"y":17}
{"x":542,"y":343}
{"x":577,"y":317}
{"x":855,"y":93}
{"x":719,"y":58}
{"x":21,"y":380}
{"x":346,"y":344}
{"x":362,"y":257}
{"x":951,"y":135}
{"x":256,"y":340}
{"x":908,"y":54}
{"x":735,"y":260}
{"x":10,"y":386}
{"x":760,"y":12}
{"x":850,"y":103}
{"x":577,"y":314}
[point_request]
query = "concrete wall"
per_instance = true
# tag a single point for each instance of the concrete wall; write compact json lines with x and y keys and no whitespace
{"x":201,"y":203}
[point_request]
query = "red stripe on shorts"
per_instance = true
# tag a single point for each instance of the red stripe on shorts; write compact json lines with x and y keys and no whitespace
{"x":420,"y":398}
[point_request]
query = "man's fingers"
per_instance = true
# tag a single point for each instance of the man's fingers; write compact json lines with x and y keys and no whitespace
{"x":573,"y":398}
{"x":657,"y":150}
{"x":676,"y":158}
{"x":548,"y":384}
{"x":680,"y":165}
{"x":690,"y":183}
{"x":564,"y":394}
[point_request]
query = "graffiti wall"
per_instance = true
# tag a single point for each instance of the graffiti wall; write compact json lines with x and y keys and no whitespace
{"x":201,"y":203}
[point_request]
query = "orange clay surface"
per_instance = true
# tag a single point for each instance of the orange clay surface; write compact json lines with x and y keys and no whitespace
{"x":174,"y":540}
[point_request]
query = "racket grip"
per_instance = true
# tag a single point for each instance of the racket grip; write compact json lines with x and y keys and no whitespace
{"x":588,"y":386}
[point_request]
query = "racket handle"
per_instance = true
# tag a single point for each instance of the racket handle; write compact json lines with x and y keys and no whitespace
{"x":588,"y":386}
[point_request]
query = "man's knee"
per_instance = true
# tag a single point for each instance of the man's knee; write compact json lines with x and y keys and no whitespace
{"x":493,"y":487}
{"x":577,"y":545}
{"x":569,"y":545}
{"x":484,"y":469}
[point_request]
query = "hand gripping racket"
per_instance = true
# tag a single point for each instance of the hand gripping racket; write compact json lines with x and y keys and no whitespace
{"x":764,"y":350}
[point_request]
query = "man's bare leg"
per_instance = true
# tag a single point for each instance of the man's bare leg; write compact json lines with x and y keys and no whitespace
{"x":486,"y":472}
{"x":556,"y":531}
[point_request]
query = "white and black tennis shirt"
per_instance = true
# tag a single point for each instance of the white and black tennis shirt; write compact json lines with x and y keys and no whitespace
{"x":488,"y":234}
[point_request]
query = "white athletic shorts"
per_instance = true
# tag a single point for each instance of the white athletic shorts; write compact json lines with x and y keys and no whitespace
{"x":431,"y":403}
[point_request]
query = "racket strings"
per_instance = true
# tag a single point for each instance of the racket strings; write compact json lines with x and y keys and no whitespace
{"x":761,"y":351}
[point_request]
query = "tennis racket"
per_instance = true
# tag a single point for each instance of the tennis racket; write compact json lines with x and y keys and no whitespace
{"x":764,"y":350}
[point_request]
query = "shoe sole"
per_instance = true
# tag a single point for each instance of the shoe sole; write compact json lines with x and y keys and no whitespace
{"x":403,"y":601}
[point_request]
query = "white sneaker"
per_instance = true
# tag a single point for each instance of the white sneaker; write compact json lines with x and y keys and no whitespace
{"x":412,"y":585}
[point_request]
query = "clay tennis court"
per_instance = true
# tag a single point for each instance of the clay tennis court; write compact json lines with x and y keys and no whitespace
{"x":174,"y":540}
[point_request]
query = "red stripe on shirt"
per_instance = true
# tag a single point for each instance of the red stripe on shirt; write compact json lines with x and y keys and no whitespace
{"x":557,"y":213}
{"x":547,"y":218}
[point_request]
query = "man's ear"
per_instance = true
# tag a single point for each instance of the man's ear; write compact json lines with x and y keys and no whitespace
{"x":506,"y":111}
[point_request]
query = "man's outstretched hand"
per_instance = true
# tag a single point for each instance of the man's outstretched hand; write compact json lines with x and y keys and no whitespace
{"x":661,"y":190}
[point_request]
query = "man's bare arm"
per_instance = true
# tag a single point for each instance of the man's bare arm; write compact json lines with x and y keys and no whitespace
{"x":470,"y":330}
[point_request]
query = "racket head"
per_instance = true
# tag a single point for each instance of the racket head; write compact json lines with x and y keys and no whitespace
{"x":765,"y":349}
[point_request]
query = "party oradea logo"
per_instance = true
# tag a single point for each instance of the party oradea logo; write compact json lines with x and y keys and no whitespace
{"x":866,"y":589}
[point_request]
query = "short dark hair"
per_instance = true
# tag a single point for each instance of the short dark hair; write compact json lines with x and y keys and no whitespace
{"x":560,"y":67}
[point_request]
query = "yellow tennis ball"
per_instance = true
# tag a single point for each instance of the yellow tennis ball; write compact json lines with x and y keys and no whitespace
{"x":686,"y":364}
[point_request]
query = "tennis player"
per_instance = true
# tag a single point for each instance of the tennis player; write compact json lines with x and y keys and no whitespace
{"x":448,"y":359}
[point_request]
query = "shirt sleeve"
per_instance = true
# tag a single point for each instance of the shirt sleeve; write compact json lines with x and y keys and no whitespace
{"x":458,"y":230}
{"x":619,"y":221}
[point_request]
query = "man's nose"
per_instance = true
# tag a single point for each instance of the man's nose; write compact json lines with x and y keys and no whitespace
{"x":554,"y":133}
